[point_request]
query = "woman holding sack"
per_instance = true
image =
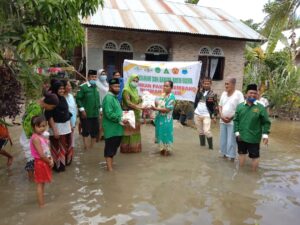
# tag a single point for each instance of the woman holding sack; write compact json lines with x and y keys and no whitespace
{"x":131,"y":141}
{"x":164,"y":119}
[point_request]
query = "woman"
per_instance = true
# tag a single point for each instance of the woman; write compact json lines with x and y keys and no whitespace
{"x":164,"y":119}
{"x":72,"y":106}
{"x":131,"y":141}
{"x":60,"y":130}
{"x":102,"y":84}
{"x":102,"y":87}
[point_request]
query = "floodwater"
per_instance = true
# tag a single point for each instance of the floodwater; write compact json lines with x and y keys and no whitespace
{"x":193,"y":186}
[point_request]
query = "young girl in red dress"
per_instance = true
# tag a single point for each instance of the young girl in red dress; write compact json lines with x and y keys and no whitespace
{"x":43,"y":162}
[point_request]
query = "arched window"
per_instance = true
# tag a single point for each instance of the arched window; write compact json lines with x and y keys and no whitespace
{"x":156,"y":52}
{"x":213,"y":63}
{"x":110,"y":46}
{"x":125,"y":47}
{"x":205,"y":51}
{"x":217,"y":52}
{"x":156,"y":48}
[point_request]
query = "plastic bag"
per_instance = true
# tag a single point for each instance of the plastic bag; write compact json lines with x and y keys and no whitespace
{"x":130,"y":117}
{"x":148,"y":99}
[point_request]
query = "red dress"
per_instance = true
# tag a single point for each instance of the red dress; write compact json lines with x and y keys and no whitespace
{"x":42,"y":171}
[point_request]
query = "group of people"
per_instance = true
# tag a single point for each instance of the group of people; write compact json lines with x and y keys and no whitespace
{"x":100,"y":105}
{"x":110,"y":106}
{"x":244,"y":121}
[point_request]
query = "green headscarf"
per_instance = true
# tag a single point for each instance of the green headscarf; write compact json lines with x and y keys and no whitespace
{"x":133,"y":91}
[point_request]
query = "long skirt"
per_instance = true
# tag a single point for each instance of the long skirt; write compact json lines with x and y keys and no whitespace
{"x":131,"y":140}
{"x":62,"y":151}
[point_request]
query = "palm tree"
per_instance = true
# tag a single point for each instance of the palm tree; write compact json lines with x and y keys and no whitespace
{"x":281,"y":14}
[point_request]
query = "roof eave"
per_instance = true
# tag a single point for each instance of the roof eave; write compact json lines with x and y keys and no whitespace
{"x":175,"y":32}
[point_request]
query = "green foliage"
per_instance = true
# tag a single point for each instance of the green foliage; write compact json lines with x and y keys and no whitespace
{"x":277,"y":76}
{"x":252,"y":24}
{"x":278,"y":60}
{"x":192,"y":1}
{"x":33,"y":33}
{"x":280,"y":15}
{"x":284,"y":88}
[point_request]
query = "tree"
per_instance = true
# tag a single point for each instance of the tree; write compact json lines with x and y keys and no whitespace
{"x":281,"y":13}
{"x":192,"y":1}
{"x":33,"y":33}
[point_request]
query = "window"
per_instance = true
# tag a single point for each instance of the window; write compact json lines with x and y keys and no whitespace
{"x":125,"y":47}
{"x":110,"y":46}
{"x":156,"y":52}
{"x":213,"y":63}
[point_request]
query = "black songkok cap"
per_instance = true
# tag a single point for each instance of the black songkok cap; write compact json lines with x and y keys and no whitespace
{"x":92,"y":72}
{"x":114,"y":81}
{"x":252,"y":87}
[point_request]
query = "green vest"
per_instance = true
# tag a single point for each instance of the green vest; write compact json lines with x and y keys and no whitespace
{"x":251,"y":122}
{"x":112,"y":116}
{"x":88,"y":98}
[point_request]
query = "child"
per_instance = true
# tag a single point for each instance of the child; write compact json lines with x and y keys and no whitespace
{"x":4,"y":138}
{"x":43,"y":162}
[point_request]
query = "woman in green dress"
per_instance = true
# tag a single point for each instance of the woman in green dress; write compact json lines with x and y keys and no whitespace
{"x":131,"y":141}
{"x":164,"y":119}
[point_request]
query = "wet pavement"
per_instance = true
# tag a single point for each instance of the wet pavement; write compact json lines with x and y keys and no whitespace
{"x":193,"y":186}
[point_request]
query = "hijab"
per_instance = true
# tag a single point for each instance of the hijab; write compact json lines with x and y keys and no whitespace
{"x":102,"y":86}
{"x":133,"y":91}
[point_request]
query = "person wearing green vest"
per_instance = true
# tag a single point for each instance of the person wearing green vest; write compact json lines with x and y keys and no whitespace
{"x":88,"y":103}
{"x":112,"y":120}
{"x":251,"y":123}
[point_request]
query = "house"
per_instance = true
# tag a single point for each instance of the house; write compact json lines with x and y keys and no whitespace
{"x":162,"y":30}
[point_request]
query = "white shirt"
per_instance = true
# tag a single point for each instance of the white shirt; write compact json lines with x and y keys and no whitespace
{"x":229,"y":103}
{"x":201,"y":109}
{"x":62,"y":128}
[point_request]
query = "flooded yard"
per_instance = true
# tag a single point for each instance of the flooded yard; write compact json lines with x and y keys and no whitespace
{"x":193,"y":186}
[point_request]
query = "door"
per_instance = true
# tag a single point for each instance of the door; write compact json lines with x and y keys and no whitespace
{"x":113,"y":61}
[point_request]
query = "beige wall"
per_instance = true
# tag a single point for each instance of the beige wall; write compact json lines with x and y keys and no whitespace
{"x":180,"y":47}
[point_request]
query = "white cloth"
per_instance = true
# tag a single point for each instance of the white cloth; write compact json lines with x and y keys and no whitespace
{"x":62,"y":128}
{"x":25,"y":143}
{"x":130,"y":117}
{"x":201,"y":109}
{"x":72,"y":108}
{"x":229,"y":103}
{"x":102,"y":86}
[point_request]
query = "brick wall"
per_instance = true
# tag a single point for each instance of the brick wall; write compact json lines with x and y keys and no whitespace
{"x":180,"y":47}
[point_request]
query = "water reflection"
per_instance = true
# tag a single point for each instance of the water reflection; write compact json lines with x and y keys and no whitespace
{"x":194,"y":186}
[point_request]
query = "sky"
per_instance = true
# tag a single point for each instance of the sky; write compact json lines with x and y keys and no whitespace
{"x":240,"y":9}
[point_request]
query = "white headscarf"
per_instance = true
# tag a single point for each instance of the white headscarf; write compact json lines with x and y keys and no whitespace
{"x":102,"y":86}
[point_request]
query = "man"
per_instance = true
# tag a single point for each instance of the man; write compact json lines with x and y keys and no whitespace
{"x":112,"y":119}
{"x":88,"y":103}
{"x":230,"y":99}
{"x":117,"y":75}
{"x":205,"y":111}
{"x":251,"y":123}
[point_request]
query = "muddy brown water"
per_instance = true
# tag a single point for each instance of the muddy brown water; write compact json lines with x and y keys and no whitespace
{"x":193,"y":186}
